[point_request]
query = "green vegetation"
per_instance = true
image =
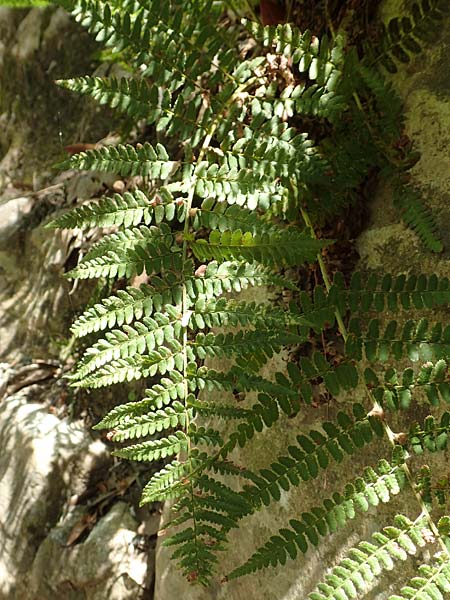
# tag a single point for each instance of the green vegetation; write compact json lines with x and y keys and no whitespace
{"x":259,"y":136}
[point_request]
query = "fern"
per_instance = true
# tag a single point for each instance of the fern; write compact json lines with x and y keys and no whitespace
{"x":249,"y":156}
{"x":405,"y":36}
{"x":368,"y":560}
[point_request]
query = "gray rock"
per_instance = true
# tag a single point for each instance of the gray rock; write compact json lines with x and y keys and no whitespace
{"x":108,"y":565}
{"x":44,"y":461}
{"x":12,"y":213}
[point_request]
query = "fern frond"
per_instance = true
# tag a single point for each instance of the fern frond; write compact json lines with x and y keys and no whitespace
{"x":167,"y":391}
{"x":130,"y":304}
{"x":135,"y":97}
{"x":375,"y":487}
{"x":414,"y":339}
{"x":163,"y":360}
{"x":432,"y":435}
{"x":343,"y":377}
{"x":166,"y":483}
{"x":285,"y":247}
{"x":131,"y":209}
{"x":147,"y":334}
{"x":212,"y":282}
{"x":388,"y":105}
{"x":396,"y":391}
{"x":320,"y":59}
{"x":417,"y":216}
{"x":404,"y":36}
{"x":142,"y":159}
{"x":390,"y":293}
{"x":170,"y":417}
{"x":153,"y":450}
{"x":364,"y":564}
{"x":259,"y":343}
{"x":314,"y":452}
{"x":432,"y":581}
{"x":148,"y":253}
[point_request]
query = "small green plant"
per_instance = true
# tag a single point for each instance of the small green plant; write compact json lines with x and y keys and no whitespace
{"x":251,"y":151}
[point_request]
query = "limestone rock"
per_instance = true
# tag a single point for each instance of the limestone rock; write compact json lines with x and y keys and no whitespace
{"x":43,"y":462}
{"x":108,"y":565}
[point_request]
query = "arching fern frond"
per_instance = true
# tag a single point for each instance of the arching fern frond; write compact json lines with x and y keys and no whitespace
{"x":374,"y":487}
{"x":257,"y":149}
{"x":359,"y":570}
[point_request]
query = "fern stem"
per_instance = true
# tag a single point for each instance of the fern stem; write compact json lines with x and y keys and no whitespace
{"x":376,"y":407}
{"x":189,"y":202}
{"x":325,"y":277}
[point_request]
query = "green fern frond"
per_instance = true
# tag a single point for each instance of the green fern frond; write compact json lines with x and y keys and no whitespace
{"x":414,"y":339}
{"x":285,"y":247}
{"x":261,"y":344}
{"x":417,"y":216}
{"x":320,"y":59}
{"x":170,"y":417}
{"x":164,"y":360}
{"x":405,"y":37}
{"x":432,"y":581}
{"x":142,"y":159}
{"x":363,"y":565}
{"x":166,"y":483}
{"x":432,"y":435}
{"x":129,"y":305}
{"x":255,"y":146}
{"x":147,"y":334}
{"x":156,"y":449}
{"x":397,"y":390}
{"x":167,"y":391}
{"x":389,"y":293}
{"x":343,"y":377}
{"x":107,"y":212}
{"x":148,"y":253}
{"x":314,"y":452}
{"x":135,"y":97}
{"x":375,"y":487}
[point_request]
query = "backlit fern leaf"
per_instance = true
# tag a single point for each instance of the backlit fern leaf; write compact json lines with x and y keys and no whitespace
{"x":376,"y":486}
{"x":126,"y":161}
{"x":362,"y":566}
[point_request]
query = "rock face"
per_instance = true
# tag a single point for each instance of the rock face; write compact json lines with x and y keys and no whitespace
{"x":49,"y":463}
{"x":107,"y":565}
{"x":387,"y":244}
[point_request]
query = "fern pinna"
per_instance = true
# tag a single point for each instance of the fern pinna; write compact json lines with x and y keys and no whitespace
{"x":229,"y":195}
